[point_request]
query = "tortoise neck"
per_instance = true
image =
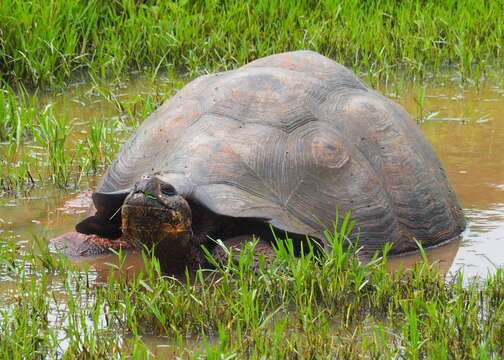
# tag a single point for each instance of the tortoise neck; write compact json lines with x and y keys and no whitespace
{"x":175,"y":258}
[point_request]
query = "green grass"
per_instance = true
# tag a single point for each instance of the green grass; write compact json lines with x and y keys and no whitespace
{"x":46,"y":139}
{"x":300,"y":307}
{"x":41,"y":145}
{"x":49,"y":43}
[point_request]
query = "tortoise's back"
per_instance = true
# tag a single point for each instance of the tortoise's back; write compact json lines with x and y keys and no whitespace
{"x":290,"y":138}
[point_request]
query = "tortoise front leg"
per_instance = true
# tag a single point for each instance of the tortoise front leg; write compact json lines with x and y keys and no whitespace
{"x":236,"y":245}
{"x":75,"y":244}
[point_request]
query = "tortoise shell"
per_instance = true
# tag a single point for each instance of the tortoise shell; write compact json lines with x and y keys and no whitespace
{"x":289,"y":139}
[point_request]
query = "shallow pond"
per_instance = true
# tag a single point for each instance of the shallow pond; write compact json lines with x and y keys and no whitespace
{"x":464,"y":125}
{"x":466,"y":129}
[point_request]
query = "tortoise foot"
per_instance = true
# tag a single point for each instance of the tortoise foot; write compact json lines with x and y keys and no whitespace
{"x":263,"y":251}
{"x":77,"y":244}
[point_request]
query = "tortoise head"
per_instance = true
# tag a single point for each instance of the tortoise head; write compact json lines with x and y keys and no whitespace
{"x":152,"y":214}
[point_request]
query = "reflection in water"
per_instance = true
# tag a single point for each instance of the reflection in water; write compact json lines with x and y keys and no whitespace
{"x":102,"y":265}
{"x":442,"y":256}
{"x":467,"y":134}
{"x":481,"y":249}
{"x":465,"y":127}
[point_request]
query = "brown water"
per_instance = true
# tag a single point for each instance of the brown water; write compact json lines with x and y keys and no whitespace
{"x":465,"y":127}
{"x":467,"y":133}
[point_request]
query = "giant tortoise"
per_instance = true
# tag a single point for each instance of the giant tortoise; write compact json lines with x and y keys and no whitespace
{"x":281,"y":143}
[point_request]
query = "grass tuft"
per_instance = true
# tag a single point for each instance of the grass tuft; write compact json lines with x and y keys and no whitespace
{"x":48,"y":43}
{"x":316,"y":305}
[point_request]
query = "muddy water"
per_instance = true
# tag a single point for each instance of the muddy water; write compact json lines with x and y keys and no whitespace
{"x":465,"y":127}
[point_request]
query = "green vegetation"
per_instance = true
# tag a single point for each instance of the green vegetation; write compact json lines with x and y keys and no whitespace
{"x":40,"y":145}
{"x":50,"y":42}
{"x":299,"y":307}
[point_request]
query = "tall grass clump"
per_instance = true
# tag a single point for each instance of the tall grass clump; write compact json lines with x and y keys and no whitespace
{"x":309,"y":305}
{"x":315,"y":306}
{"x":16,"y":114}
{"x":41,"y":144}
{"x":45,"y":42}
{"x":51,"y":134}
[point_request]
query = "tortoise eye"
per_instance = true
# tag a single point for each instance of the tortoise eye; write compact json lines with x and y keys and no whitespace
{"x":168,"y":190}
